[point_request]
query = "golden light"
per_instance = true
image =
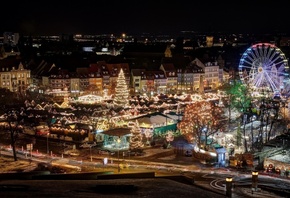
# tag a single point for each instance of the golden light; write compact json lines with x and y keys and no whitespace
{"x":229,"y":179}
{"x":72,"y":126}
{"x":255,"y":172}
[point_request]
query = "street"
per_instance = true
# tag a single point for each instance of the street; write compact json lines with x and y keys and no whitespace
{"x":89,"y":160}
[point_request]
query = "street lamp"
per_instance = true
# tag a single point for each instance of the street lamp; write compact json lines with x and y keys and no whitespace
{"x":204,"y":130}
{"x":245,"y":117}
{"x":229,"y":182}
{"x":91,"y":153}
{"x":254,"y":180}
{"x":118,"y":142}
{"x":253,"y":118}
{"x":47,"y":148}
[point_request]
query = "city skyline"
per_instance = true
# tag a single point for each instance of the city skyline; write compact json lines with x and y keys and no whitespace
{"x":137,"y":17}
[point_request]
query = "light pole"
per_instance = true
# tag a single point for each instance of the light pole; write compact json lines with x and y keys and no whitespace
{"x":229,"y":184}
{"x":47,"y":148}
{"x":204,"y":130}
{"x":253,"y":118}
{"x":255,"y":180}
{"x":91,"y":153}
{"x":118,"y":142}
{"x":245,"y":117}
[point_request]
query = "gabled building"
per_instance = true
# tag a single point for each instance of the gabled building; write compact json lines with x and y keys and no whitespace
{"x":147,"y":83}
{"x":160,"y":82}
{"x":198,"y":72}
{"x":171,"y":75}
{"x":137,"y":75}
{"x":15,"y":79}
{"x":184,"y":80}
{"x":74,"y":84}
{"x":213,"y":73}
{"x":95,"y":83}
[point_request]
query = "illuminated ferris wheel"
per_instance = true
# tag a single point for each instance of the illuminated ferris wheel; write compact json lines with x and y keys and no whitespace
{"x":263,"y":66}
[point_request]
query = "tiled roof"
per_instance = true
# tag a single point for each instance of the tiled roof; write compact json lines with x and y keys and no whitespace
{"x":168,"y":66}
{"x":138,"y":72}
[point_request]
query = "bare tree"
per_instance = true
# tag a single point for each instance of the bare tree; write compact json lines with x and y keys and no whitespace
{"x":13,"y":120}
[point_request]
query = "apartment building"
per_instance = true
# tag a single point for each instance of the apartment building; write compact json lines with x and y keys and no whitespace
{"x":15,"y":79}
{"x":100,"y":79}
{"x":171,"y":75}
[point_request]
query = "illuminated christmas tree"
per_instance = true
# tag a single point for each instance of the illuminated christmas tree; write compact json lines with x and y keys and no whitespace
{"x":121,"y":90}
{"x":136,"y":138}
{"x":201,"y":120}
{"x":148,"y":134}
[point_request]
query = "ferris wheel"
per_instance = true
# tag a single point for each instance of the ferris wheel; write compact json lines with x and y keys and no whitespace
{"x":263,"y":66}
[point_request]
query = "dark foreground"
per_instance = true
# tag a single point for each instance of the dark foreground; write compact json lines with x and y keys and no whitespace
{"x":119,"y":188}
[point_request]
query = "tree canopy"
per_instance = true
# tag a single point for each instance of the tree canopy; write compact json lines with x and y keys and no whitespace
{"x":203,"y":118}
{"x":240,"y":97}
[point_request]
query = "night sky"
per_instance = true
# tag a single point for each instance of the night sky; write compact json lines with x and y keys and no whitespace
{"x":144,"y":16}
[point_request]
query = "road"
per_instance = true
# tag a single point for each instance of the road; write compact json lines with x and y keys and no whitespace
{"x":203,"y":176}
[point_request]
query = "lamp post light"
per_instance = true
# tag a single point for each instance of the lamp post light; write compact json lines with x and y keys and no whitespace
{"x":47,"y":148}
{"x":253,"y":118}
{"x":204,"y":130}
{"x":118,"y":142}
{"x":229,"y":184}
{"x":255,"y":180}
{"x":245,"y":117}
{"x":284,"y":106}
{"x":91,"y":153}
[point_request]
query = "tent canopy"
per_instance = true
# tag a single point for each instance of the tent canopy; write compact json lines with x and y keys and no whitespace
{"x":117,"y":132}
{"x":154,"y":118}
